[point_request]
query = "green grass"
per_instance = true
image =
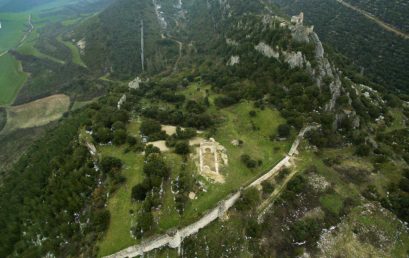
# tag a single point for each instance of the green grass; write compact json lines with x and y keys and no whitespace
{"x":28,"y":48}
{"x":118,"y":235}
{"x":13,"y":29}
{"x":75,"y":52}
{"x":256,"y":143}
{"x":398,"y":120}
{"x":332,"y":202}
{"x":11,"y":79}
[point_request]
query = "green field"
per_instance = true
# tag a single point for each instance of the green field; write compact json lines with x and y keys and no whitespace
{"x":14,"y":26}
{"x":28,"y":48}
{"x":75,"y":52}
{"x":11,"y":79}
{"x":13,"y":29}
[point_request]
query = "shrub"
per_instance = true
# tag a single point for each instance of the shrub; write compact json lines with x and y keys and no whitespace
{"x":110,"y":164}
{"x":268,"y":187}
{"x":149,"y":127}
{"x":139,"y":192}
{"x":249,"y":199}
{"x":284,"y":131}
{"x":120,"y":137}
{"x":182,"y":148}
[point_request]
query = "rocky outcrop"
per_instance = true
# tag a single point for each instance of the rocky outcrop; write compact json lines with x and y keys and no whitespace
{"x":293,"y":59}
{"x":135,"y":84}
{"x":233,"y":60}
{"x":232,"y":42}
{"x":121,"y":101}
{"x":296,"y":59}
{"x":267,"y":51}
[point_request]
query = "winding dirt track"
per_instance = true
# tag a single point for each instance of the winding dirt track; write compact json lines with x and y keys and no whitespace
{"x":372,"y":17}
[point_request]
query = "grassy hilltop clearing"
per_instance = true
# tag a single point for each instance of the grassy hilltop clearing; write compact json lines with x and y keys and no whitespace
{"x":236,"y":124}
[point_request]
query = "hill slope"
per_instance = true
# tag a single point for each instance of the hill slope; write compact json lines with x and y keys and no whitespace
{"x":382,"y":54}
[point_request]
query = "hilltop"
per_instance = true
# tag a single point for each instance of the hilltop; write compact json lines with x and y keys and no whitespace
{"x":219,"y":128}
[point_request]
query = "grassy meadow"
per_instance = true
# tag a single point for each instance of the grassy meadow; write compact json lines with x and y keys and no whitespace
{"x":11,"y":79}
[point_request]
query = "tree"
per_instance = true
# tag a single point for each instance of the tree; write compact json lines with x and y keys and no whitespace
{"x":182,"y":148}
{"x":284,"y":130}
{"x":131,"y":140}
{"x":119,"y":137}
{"x":252,"y":113}
{"x":149,"y":127}
{"x":249,"y":199}
{"x":102,"y":135}
{"x":268,"y":187}
{"x":362,"y":150}
{"x":149,"y":149}
{"x":118,"y":125}
{"x":156,"y":166}
{"x":139,"y":192}
{"x":110,"y":164}
{"x":101,"y":220}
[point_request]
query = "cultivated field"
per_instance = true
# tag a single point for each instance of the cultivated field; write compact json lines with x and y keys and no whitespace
{"x":36,"y":113}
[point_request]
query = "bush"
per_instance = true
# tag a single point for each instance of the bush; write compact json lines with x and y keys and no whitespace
{"x":118,"y":125}
{"x":284,"y":131}
{"x":248,"y":161}
{"x":139,"y":192}
{"x":149,"y":149}
{"x":102,"y":135}
{"x":362,"y":150}
{"x":110,"y":164}
{"x":249,"y":199}
{"x":120,"y":137}
{"x":182,"y":148}
{"x":101,"y":220}
{"x":131,"y":140}
{"x":268,"y":187}
{"x":150,"y":127}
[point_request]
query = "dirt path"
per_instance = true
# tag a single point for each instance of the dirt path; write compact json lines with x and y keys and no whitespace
{"x":175,"y":67}
{"x":175,"y":239}
{"x":28,"y":32}
{"x":372,"y":17}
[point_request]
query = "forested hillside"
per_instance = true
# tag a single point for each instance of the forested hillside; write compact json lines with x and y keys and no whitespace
{"x":382,"y":55}
{"x":394,"y":12}
{"x":113,"y":40}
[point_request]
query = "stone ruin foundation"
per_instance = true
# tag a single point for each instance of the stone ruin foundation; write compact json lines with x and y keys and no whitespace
{"x":212,"y":157}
